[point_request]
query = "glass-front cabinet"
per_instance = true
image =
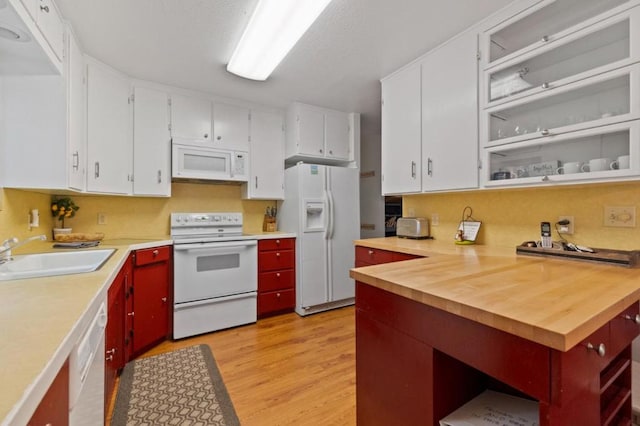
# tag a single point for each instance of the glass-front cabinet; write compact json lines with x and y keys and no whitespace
{"x":560,"y":94}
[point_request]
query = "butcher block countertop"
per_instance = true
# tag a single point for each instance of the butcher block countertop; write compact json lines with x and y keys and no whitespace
{"x":557,"y":303}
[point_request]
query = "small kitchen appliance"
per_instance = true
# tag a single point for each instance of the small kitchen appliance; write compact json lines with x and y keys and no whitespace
{"x":412,"y":227}
{"x":215,"y":273}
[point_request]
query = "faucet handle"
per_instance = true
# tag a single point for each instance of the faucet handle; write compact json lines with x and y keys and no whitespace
{"x":7,"y":243}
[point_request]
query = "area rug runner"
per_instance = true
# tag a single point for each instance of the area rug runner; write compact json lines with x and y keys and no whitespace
{"x":182,"y":387}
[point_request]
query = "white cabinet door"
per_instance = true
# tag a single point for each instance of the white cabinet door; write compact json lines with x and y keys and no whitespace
{"x":191,"y":118}
{"x":401,"y":132}
{"x":77,"y":165}
{"x":109,"y":135}
{"x":32,"y":8}
{"x":450,"y":115}
{"x":231,"y":127}
{"x":267,"y":157}
{"x":51,"y":25}
{"x":337,"y":135}
{"x":151,"y":143}
{"x":310,"y":126}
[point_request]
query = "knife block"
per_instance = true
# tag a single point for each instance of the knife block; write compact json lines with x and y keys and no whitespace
{"x":269,"y":224}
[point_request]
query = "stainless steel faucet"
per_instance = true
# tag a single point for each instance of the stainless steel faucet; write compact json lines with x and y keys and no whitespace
{"x":11,"y":243}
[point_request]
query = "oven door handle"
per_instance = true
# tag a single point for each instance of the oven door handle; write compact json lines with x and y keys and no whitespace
{"x":204,"y":246}
{"x":186,"y":305}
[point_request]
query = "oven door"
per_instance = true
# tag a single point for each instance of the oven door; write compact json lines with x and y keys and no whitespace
{"x":207,"y":270}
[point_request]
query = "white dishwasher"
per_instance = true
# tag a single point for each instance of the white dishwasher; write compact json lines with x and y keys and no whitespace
{"x":86,"y":374}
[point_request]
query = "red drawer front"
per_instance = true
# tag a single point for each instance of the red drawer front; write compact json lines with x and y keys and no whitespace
{"x":276,"y":301}
{"x":404,"y":256}
{"x":373,"y":256}
{"x":274,"y":260}
{"x":277,"y":244}
{"x":276,"y":280}
{"x":152,"y":255}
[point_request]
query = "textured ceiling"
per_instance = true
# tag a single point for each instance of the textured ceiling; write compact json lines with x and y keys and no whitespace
{"x":337,"y":64}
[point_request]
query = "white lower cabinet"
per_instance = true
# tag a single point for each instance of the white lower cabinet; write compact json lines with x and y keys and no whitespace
{"x":109,"y":131}
{"x":266,"y":179}
{"x":151,"y":143}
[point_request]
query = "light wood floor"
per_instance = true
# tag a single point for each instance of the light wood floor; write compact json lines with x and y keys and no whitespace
{"x":286,"y":370}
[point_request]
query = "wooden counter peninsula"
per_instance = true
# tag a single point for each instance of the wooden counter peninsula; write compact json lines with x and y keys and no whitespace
{"x":434,"y":331}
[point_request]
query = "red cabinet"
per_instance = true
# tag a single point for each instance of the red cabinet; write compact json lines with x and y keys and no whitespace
{"x":276,"y":276}
{"x":115,"y":330}
{"x":152,"y":299}
{"x":366,"y":256}
{"x":54,"y":406}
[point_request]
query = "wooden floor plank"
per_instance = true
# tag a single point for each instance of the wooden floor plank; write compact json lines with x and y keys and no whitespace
{"x":286,"y":370}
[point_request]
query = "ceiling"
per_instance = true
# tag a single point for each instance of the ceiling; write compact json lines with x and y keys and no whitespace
{"x":337,"y":64}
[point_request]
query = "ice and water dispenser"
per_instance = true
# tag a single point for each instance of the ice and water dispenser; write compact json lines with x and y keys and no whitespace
{"x":314,"y":220}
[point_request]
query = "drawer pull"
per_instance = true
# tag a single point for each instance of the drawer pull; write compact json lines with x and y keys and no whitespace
{"x":277,"y":254}
{"x":635,"y":318}
{"x":370,"y":252}
{"x":600,"y":349}
{"x":164,"y":299}
{"x":278,"y":242}
{"x":278,"y":275}
{"x":131,"y":314}
{"x":278,"y":295}
{"x":155,"y":253}
{"x":111,"y":351}
{"x":545,"y":39}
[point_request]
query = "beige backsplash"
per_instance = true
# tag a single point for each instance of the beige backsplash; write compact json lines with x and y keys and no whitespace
{"x":137,"y":217}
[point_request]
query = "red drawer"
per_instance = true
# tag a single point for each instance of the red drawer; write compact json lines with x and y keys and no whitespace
{"x":277,"y":244}
{"x":276,"y":301}
{"x":152,"y":255}
{"x":274,"y":260}
{"x":276,"y":280}
{"x":373,"y":256}
{"x":404,"y":256}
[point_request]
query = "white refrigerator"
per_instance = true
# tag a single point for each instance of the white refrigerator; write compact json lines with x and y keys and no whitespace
{"x":322,"y":206}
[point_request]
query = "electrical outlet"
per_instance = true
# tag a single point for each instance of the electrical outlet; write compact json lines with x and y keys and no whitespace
{"x":411,"y":212}
{"x":435,"y":219}
{"x":102,"y":219}
{"x":569,"y":228}
{"x":622,"y":217}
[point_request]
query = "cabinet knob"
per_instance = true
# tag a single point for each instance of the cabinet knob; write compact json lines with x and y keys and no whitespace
{"x":545,"y":85}
{"x":600,"y":349}
{"x":278,"y":242}
{"x":278,"y":295}
{"x":206,"y":135}
{"x":278,"y":274}
{"x":370,"y":252}
{"x":545,"y":132}
{"x":545,"y":39}
{"x":45,"y":8}
{"x":219,"y":138}
{"x":277,"y":254}
{"x":635,"y":318}
{"x":164,"y":299}
{"x":155,"y":253}
{"x":330,"y":151}
{"x":130,"y":314}
{"x":320,"y":150}
{"x":545,"y":178}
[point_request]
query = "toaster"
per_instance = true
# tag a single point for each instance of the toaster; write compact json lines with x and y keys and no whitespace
{"x":412,"y":227}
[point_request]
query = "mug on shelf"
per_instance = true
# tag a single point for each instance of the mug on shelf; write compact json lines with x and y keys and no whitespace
{"x":622,"y":162}
{"x":597,"y":165}
{"x":569,"y":167}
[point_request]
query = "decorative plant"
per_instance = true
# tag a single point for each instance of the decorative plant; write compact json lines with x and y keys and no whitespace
{"x":63,"y":208}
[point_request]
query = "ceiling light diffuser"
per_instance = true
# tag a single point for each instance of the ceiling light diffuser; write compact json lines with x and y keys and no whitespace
{"x":273,"y":29}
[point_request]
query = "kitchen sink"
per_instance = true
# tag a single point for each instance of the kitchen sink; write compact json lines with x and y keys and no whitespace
{"x":51,"y":264}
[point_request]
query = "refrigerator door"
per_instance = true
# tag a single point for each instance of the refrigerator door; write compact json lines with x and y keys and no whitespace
{"x":343,"y":229}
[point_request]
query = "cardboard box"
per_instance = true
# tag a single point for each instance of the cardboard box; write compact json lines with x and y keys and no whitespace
{"x":495,"y":409}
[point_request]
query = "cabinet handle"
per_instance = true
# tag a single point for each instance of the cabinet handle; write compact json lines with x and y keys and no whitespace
{"x":545,"y":132}
{"x":45,"y":8}
{"x":97,"y":169}
{"x":256,"y":182}
{"x":111,"y":351}
{"x":545,"y":85}
{"x":320,"y":150}
{"x":164,"y":299}
{"x":429,"y":167}
{"x":413,"y":169}
{"x":155,"y":253}
{"x":206,"y":135}
{"x":131,"y":314}
{"x":76,"y":161}
{"x":159,"y":176}
{"x":109,"y":358}
{"x":219,"y":138}
{"x":635,"y":318}
{"x":600,"y":349}
{"x":545,"y":39}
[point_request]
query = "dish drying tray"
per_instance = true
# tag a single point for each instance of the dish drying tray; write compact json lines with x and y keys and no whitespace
{"x":628,"y":258}
{"x":76,"y":244}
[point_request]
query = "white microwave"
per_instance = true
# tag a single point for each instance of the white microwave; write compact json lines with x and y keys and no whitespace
{"x":195,"y":162}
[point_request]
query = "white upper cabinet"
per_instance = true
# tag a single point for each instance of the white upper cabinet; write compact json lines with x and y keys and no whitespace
{"x":44,"y":141}
{"x":151,"y":143}
{"x":231,"y":127}
{"x":319,"y":135}
{"x":266,"y":181}
{"x":109,"y":131}
{"x":401,"y":131}
{"x":50,"y":23}
{"x":450,"y":115}
{"x":556,"y":107}
{"x":191,"y":118}
{"x":77,"y":151}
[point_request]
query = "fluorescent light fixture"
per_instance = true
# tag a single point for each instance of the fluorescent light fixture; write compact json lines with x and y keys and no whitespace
{"x":273,"y":29}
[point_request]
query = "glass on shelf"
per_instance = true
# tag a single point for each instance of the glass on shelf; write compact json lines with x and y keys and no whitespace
{"x":543,"y":23}
{"x":600,"y":48}
{"x":569,"y":108}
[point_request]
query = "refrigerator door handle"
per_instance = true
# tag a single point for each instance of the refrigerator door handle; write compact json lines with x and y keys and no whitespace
{"x":327,"y":212}
{"x":331,"y":214}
